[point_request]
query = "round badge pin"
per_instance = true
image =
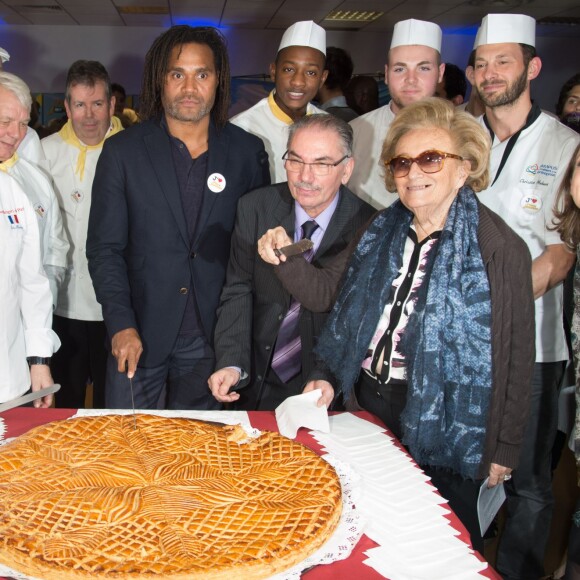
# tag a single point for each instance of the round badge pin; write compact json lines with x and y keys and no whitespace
{"x":216,"y":182}
{"x":531,"y":203}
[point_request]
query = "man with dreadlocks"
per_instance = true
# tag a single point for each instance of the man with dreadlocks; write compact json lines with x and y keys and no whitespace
{"x":164,"y":203}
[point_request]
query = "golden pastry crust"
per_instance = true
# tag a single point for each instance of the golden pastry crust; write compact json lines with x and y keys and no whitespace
{"x":93,"y":497}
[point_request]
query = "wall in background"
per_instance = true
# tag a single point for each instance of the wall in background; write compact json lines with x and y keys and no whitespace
{"x":42,"y":54}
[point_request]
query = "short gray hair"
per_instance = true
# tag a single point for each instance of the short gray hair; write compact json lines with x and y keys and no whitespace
{"x":17,"y":86}
{"x":324,"y":122}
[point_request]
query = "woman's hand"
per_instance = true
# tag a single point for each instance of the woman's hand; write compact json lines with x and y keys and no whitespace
{"x":498,"y":474}
{"x":327,"y":391}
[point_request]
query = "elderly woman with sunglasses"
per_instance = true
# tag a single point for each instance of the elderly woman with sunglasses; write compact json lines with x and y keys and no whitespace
{"x":433,"y":329}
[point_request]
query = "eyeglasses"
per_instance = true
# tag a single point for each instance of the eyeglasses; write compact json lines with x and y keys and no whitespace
{"x":318,"y":168}
{"x":429,"y":162}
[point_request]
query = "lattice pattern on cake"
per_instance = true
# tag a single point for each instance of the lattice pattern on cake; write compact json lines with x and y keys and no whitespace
{"x":176,"y":498}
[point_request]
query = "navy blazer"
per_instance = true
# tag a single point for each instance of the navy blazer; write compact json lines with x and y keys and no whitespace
{"x":140,"y":257}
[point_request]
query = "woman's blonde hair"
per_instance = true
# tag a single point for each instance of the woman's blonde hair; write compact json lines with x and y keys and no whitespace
{"x":566,"y":212}
{"x":471,"y":140}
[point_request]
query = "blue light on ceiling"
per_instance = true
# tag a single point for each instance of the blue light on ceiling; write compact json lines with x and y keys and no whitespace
{"x":192,"y":21}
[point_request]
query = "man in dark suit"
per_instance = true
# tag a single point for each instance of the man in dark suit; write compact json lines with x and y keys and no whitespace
{"x":264,"y":337}
{"x":164,"y":203}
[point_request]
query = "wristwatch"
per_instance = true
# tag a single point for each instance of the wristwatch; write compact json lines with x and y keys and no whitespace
{"x":38,"y":360}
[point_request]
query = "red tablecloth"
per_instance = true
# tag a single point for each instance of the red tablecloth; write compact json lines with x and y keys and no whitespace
{"x":21,"y":419}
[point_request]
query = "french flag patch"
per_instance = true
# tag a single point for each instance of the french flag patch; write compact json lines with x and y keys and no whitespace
{"x":13,"y":219}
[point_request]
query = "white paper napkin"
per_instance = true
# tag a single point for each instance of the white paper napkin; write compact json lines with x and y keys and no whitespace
{"x":302,"y":411}
{"x":489,"y":500}
{"x":406,"y":516}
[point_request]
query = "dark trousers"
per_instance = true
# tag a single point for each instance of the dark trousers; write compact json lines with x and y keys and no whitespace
{"x":529,"y":492}
{"x":180,"y":382}
{"x":573,"y":563}
{"x":273,"y":391}
{"x":387,"y":403}
{"x":82,"y":358}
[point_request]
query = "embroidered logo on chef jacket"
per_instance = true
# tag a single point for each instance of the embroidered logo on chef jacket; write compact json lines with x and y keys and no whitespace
{"x":539,"y":174}
{"x":39,"y":210}
{"x":532,"y":168}
{"x":531,"y":203}
{"x":77,"y":196}
{"x":216,"y":182}
{"x":13,"y":219}
{"x":544,"y":169}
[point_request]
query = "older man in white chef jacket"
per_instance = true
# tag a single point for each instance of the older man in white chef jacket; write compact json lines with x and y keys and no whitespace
{"x":26,"y":338}
{"x":15,"y":101}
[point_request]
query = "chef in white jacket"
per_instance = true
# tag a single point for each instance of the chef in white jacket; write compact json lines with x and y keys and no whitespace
{"x":26,"y":338}
{"x":412,"y":72}
{"x":298,"y":73}
{"x":15,"y":101}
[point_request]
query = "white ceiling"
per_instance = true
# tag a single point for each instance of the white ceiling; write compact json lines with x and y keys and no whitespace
{"x":279,"y":14}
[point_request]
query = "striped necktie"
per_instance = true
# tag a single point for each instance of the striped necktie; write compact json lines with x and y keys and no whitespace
{"x":286,"y":360}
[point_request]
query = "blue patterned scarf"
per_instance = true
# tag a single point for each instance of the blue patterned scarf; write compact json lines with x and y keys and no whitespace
{"x":447,"y":342}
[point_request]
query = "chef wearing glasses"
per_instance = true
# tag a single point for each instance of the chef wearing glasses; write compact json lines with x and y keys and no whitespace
{"x":433,"y":329}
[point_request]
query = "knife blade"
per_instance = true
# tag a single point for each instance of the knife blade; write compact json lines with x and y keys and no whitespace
{"x":132,"y":402}
{"x":294,"y":249}
{"x":29,"y":397}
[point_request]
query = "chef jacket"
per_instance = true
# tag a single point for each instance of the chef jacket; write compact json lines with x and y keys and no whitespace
{"x":76,"y":298}
{"x":524,"y":195}
{"x":26,"y":313}
{"x":368,"y":176}
{"x":267,"y":121}
{"x":53,"y":243}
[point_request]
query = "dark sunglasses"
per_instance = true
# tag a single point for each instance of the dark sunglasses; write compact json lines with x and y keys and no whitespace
{"x":429,"y":162}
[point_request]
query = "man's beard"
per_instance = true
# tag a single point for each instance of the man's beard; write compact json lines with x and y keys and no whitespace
{"x":192,"y":116}
{"x":511,"y":94}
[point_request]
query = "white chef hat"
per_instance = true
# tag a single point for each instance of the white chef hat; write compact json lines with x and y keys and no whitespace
{"x":500,"y":28}
{"x":306,"y":33}
{"x":413,"y":31}
{"x":4,"y":56}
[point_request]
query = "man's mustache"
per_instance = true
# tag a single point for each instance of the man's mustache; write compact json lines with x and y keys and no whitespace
{"x":304,"y":185}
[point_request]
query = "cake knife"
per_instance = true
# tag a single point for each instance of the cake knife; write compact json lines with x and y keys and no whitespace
{"x":29,"y":397}
{"x":132,"y":402}
{"x":294,"y":249}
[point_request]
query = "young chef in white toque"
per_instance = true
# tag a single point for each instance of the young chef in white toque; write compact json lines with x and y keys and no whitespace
{"x":298,"y":73}
{"x":412,"y":73}
{"x":530,"y":152}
